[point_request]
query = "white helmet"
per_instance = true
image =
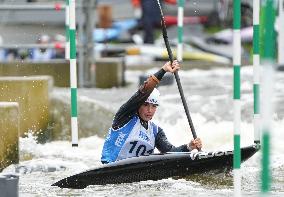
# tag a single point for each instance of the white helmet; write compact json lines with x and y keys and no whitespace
{"x":154,"y":97}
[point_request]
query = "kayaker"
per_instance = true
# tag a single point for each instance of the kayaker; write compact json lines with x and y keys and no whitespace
{"x":132,"y":133}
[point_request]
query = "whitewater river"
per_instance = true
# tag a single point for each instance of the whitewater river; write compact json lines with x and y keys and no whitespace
{"x":209,"y":95}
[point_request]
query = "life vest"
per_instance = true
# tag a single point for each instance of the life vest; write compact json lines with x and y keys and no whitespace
{"x":131,"y":140}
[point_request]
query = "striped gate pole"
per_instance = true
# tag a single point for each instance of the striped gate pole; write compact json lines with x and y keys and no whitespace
{"x":180,"y":30}
{"x":281,"y":33}
{"x":237,"y":96}
{"x":256,"y":75}
{"x":268,"y":62}
{"x":73,"y":74}
{"x":67,"y":43}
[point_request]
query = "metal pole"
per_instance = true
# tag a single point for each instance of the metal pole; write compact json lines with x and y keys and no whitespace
{"x":73,"y":74}
{"x":31,"y":6}
{"x":27,"y":46}
{"x":90,"y":23}
{"x":236,"y":97}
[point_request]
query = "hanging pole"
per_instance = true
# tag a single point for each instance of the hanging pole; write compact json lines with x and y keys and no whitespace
{"x":170,"y":54}
{"x":236,"y":97}
{"x":268,"y":62}
{"x":256,"y":75}
{"x":73,"y":74}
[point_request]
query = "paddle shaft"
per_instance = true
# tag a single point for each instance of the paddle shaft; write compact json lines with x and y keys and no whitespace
{"x":170,"y":54}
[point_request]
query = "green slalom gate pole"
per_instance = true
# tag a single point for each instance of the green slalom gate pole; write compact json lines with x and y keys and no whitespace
{"x":180,"y":30}
{"x":268,"y":62}
{"x":256,"y":74}
{"x":236,"y":96}
{"x":73,"y":73}
{"x":67,"y":42}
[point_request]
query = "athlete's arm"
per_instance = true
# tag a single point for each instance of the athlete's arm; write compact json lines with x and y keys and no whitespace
{"x":129,"y":109}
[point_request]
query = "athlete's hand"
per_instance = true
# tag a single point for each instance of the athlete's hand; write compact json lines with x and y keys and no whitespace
{"x":168,"y":67}
{"x":194,"y":144}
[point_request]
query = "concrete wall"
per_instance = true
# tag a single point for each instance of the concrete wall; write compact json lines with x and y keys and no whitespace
{"x":93,"y":118}
{"x":109,"y":72}
{"x":32,"y":94}
{"x":59,"y":70}
{"x":9,"y":134}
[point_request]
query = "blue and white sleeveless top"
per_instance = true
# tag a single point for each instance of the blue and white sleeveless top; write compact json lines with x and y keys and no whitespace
{"x":131,"y":140}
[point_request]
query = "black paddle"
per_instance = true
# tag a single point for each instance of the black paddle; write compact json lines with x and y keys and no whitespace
{"x":170,"y":54}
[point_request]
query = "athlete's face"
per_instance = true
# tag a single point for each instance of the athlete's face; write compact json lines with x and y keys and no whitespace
{"x":147,"y":111}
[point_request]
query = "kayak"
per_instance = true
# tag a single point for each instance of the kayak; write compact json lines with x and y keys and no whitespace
{"x":156,"y":167}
